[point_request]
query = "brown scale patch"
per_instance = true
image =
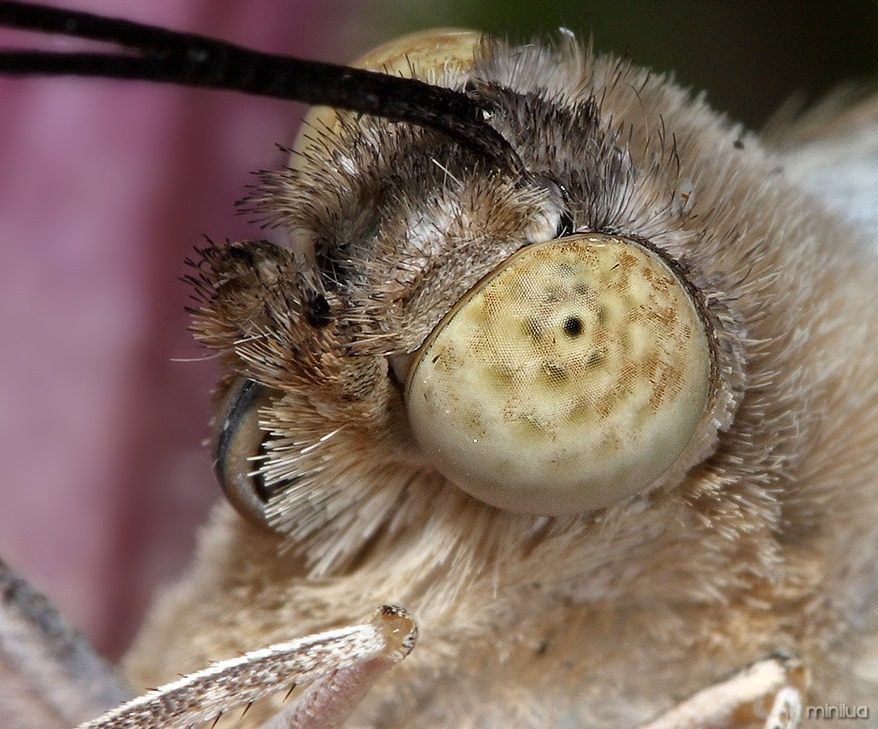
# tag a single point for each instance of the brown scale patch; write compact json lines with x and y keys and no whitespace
{"x":658,"y":281}
{"x":659,"y":386}
{"x":610,"y":443}
{"x":664,"y":315}
{"x":605,"y":405}
{"x":493,"y":302}
{"x":474,"y":422}
{"x":555,"y":373}
{"x":446,"y":359}
{"x":649,"y":365}
{"x":667,"y":382}
{"x":596,"y":357}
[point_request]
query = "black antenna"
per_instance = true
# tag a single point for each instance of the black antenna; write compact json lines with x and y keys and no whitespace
{"x":188,"y":59}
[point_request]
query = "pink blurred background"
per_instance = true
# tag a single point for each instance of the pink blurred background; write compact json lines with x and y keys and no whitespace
{"x":104,"y":189}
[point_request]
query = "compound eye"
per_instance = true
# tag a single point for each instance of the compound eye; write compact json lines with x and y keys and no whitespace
{"x":237,"y":445}
{"x":573,"y":376}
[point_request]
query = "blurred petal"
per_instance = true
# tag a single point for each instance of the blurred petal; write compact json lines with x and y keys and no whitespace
{"x":104,"y":189}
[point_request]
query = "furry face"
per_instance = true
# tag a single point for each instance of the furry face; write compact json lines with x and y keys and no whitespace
{"x":604,"y":617}
{"x":723,"y":563}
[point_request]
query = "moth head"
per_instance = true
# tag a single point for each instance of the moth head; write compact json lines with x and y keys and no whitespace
{"x":558,"y":333}
{"x":434,"y":324}
{"x":501,"y":301}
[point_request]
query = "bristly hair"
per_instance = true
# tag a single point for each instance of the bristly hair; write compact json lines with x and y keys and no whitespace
{"x":187,"y":59}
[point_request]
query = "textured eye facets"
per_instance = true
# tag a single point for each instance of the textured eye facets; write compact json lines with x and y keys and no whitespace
{"x":571,"y":377}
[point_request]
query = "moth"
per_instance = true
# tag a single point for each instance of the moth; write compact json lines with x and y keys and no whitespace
{"x":560,"y":372}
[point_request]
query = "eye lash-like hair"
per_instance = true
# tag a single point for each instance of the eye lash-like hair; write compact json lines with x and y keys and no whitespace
{"x":165,"y":56}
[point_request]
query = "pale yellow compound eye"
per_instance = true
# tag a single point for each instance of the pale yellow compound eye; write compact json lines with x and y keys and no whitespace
{"x":573,"y":376}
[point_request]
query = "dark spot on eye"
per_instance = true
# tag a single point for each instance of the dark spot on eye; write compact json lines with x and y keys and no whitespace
{"x":573,"y":326}
{"x":317,"y":311}
{"x":738,"y":144}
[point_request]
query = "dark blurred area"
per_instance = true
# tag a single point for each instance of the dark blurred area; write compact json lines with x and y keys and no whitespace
{"x":749,"y":57}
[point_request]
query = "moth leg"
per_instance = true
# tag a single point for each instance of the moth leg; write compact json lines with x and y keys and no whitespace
{"x":766,"y":695}
{"x":329,"y":701}
{"x":346,"y":658}
{"x":49,"y":674}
